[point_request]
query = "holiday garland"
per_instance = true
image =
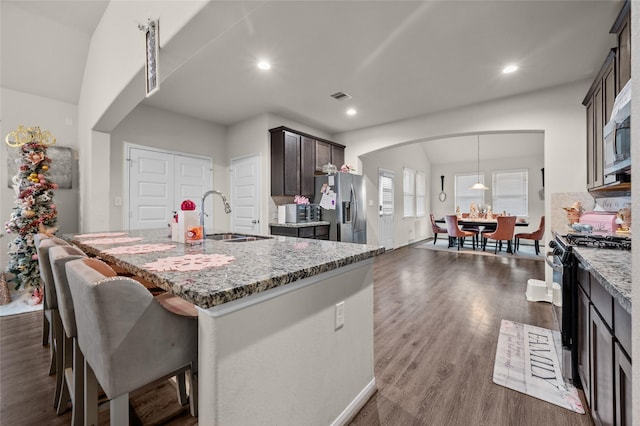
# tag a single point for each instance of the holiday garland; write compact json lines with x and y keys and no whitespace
{"x":34,"y":209}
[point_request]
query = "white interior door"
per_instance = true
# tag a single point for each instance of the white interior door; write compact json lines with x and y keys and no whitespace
{"x":158,"y":182}
{"x":193,"y":177}
{"x":385,"y":209}
{"x":151,"y":188}
{"x":245,"y":194}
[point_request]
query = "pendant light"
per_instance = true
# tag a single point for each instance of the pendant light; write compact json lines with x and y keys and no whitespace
{"x":479,"y":185}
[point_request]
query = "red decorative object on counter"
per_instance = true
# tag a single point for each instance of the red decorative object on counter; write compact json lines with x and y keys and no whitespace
{"x":188,"y":205}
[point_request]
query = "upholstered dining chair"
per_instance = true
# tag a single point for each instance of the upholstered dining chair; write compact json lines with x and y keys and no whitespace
{"x":503,"y":232}
{"x":536,"y":236}
{"x":436,"y":228}
{"x":128,"y":340}
{"x":72,"y":389}
{"x":455,"y":233}
{"x":52,"y":326}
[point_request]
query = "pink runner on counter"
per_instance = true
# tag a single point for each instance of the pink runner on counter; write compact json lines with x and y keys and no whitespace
{"x":189,"y":262}
{"x":140,"y":249}
{"x":120,"y":240}
{"x":101,"y":235}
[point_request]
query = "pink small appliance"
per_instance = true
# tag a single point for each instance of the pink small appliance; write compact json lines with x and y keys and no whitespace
{"x":600,"y":221}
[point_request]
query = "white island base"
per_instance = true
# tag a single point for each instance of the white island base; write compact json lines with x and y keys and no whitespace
{"x":276,"y":357}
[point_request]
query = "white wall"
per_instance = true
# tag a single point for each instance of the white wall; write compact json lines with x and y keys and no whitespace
{"x":166,"y":130}
{"x":406,"y":230}
{"x":60,"y":119}
{"x":487,"y":167}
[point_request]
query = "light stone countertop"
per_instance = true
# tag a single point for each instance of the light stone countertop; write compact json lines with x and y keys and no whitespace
{"x":258,"y":266}
{"x":612,"y":267}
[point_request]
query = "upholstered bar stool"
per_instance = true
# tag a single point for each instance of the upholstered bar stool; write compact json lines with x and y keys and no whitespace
{"x":128,"y":339}
{"x":72,"y":356}
{"x":52,"y":325}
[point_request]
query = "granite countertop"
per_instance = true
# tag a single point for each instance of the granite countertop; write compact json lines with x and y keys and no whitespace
{"x":301,"y":224}
{"x":257,"y":266}
{"x":612,"y":268}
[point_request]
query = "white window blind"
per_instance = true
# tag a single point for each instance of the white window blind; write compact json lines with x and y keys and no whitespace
{"x":510,"y":192}
{"x":464,"y":196}
{"x":420,"y":194}
{"x":386,"y":193}
{"x":409,"y":190}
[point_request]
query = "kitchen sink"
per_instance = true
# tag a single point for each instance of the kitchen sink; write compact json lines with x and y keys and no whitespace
{"x":235,"y":238}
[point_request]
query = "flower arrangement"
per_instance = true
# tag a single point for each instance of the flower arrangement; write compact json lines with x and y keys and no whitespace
{"x":300,"y":199}
{"x":347,"y":168}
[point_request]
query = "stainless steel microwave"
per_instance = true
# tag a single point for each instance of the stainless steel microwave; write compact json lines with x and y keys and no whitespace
{"x":617,"y":149}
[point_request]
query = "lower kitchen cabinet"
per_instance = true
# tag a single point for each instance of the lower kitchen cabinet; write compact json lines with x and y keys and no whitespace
{"x":602,"y":385}
{"x":584,"y":367}
{"x":622,"y":378}
{"x":317,"y":232}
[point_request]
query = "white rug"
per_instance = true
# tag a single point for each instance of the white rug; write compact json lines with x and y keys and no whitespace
{"x":525,"y":251}
{"x":20,"y":303}
{"x":526,"y":361}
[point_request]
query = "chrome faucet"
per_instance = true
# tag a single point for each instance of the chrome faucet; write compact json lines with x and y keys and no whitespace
{"x":227,"y":207}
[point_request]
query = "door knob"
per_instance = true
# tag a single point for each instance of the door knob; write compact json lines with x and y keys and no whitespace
{"x":255,"y":221}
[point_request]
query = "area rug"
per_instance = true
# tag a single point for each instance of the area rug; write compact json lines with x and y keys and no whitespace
{"x":525,"y":252}
{"x":527,"y":361}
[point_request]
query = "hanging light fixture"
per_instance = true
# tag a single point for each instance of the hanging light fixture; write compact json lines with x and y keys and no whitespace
{"x":479,"y":185}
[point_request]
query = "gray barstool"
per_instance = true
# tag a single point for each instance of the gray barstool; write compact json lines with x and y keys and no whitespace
{"x":72,"y":387}
{"x":128,"y":340}
{"x":52,"y":326}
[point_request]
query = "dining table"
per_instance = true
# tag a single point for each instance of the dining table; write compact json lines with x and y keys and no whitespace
{"x":481,"y":222}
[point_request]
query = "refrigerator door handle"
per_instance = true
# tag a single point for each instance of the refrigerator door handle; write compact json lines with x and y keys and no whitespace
{"x":354,"y":202}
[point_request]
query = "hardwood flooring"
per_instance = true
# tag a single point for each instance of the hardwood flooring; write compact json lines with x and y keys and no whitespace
{"x":437,"y":318}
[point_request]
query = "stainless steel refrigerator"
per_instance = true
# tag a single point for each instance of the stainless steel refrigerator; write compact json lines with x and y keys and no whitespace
{"x":348,"y":218}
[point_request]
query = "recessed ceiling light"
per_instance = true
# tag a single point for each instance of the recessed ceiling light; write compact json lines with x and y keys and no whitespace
{"x":509,"y":69}
{"x":352,"y":111}
{"x":264,"y":65}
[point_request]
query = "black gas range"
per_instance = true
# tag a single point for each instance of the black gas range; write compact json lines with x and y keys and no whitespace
{"x":565,"y":265}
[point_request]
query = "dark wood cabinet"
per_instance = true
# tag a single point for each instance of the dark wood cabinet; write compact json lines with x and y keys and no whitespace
{"x":624,"y":402}
{"x":599,"y":102}
{"x":295,"y":159}
{"x":602,"y":384}
{"x":285,"y":163}
{"x":318,"y":232}
{"x":622,"y":29}
{"x":584,"y":367}
{"x":604,"y":351}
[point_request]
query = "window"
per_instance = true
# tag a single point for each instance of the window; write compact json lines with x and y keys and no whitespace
{"x":386,"y":193}
{"x":409,"y":190}
{"x":510,"y":192}
{"x":420,"y":194}
{"x":464,"y":196}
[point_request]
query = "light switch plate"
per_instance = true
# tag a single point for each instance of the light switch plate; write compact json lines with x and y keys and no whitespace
{"x":339,"y":315}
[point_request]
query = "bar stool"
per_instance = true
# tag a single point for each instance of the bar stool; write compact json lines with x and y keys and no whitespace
{"x":128,"y":340}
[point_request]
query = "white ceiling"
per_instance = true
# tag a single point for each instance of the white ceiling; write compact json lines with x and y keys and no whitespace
{"x":398,"y":59}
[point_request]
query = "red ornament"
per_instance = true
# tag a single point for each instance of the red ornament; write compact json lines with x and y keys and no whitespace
{"x":188,"y":205}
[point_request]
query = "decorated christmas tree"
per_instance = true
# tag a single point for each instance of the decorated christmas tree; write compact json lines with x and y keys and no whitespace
{"x":34,"y":209}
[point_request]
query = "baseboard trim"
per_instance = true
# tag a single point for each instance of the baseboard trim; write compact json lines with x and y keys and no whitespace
{"x":356,"y":405}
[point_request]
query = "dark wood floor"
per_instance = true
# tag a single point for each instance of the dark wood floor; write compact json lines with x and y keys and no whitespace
{"x":437,"y":317}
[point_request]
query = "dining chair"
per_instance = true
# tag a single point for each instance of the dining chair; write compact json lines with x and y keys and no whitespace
{"x":503,"y":232}
{"x":436,"y":228}
{"x":52,"y":326}
{"x":128,"y":340}
{"x":472,"y":228}
{"x":72,"y":358}
{"x":536,"y":236}
{"x":457,"y":234}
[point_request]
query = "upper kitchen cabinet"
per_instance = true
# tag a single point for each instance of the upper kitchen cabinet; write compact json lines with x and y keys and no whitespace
{"x":327,"y":152}
{"x":622,"y":28}
{"x":296,"y":157}
{"x":599,"y":102}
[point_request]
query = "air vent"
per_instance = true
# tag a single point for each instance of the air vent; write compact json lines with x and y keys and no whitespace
{"x":341,"y":96}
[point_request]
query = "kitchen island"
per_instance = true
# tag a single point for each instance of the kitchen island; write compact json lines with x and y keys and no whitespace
{"x":285,"y":328}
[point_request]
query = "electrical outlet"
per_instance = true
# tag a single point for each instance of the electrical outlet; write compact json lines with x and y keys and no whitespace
{"x":339,"y":315}
{"x":117,"y":201}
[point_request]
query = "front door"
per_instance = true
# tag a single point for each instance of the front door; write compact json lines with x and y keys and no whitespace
{"x":385,"y":208}
{"x":245,"y":194}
